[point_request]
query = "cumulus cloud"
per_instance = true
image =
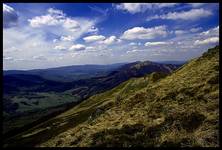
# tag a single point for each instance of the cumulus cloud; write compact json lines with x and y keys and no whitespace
{"x":57,"y":23}
{"x":77,"y":47}
{"x":10,"y":16}
{"x":210,"y":40}
{"x":55,"y":18}
{"x":192,"y":14}
{"x":110,"y":40}
{"x":156,"y":43}
{"x":144,"y":33}
{"x":100,"y":39}
{"x":142,"y":7}
{"x":94,"y":38}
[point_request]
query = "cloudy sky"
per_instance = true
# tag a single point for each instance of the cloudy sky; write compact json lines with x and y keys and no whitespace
{"x":51,"y":35}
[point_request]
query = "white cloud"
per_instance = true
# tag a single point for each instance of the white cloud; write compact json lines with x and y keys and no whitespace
{"x":182,"y":32}
{"x":25,"y":43}
{"x":142,"y":7}
{"x":192,"y":14}
{"x":49,"y":39}
{"x":55,"y":18}
{"x":100,"y":39}
{"x":55,"y":11}
{"x":57,"y":23}
{"x":207,"y":41}
{"x":109,"y":40}
{"x":59,"y":47}
{"x":71,"y":24}
{"x":10,"y":16}
{"x":67,"y":38}
{"x":44,"y":20}
{"x":134,"y":51}
{"x":77,"y":47}
{"x":155,"y":43}
{"x":52,"y":18}
{"x":144,"y":33}
{"x":94,"y":38}
{"x":211,"y":32}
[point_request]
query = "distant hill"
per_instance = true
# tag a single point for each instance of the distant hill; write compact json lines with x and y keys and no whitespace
{"x":69,"y":73}
{"x":156,"y":110}
{"x":16,"y":83}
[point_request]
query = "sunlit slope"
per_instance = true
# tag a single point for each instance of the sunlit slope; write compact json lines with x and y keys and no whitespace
{"x":181,"y":109}
{"x":87,"y":110}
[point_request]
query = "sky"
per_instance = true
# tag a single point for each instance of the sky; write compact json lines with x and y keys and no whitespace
{"x":46,"y":35}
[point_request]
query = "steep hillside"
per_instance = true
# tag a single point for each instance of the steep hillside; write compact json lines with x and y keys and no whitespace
{"x":82,"y":112}
{"x":181,"y":109}
{"x":28,"y":98}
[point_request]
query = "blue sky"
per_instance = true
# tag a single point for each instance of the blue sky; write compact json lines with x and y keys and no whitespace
{"x":44,"y":35}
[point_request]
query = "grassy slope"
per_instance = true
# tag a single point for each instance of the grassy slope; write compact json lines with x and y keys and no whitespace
{"x":178,"y":110}
{"x":77,"y":115}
